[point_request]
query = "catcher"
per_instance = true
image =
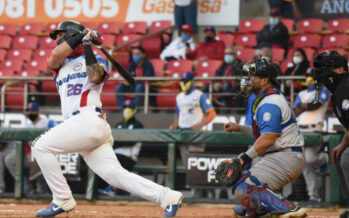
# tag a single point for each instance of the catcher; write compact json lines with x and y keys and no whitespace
{"x":277,"y":140}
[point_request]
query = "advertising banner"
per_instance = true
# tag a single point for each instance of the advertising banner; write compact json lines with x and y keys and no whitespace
{"x":70,"y":165}
{"x":211,"y":12}
{"x":325,"y":9}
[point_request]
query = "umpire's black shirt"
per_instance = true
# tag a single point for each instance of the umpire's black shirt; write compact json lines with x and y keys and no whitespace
{"x":341,"y":102}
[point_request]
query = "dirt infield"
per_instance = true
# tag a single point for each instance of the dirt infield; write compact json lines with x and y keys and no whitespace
{"x":124,"y":209}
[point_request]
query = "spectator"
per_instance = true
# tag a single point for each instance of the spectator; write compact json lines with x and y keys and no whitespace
{"x":301,"y":64}
{"x":185,"y":12}
{"x":191,"y":107}
{"x":285,"y":6}
{"x":35,"y":183}
{"x":311,"y":115}
{"x":177,"y":48}
{"x":140,"y":66}
{"x":229,"y":67}
{"x":210,"y":49}
{"x":273,"y":34}
{"x":127,"y":153}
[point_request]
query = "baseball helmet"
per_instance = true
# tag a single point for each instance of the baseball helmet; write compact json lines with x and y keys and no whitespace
{"x":262,"y":68}
{"x":69,"y":26}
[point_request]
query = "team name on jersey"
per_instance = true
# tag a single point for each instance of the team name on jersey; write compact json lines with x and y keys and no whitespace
{"x":70,"y":77}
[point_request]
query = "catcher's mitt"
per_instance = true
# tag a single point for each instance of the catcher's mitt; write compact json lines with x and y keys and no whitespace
{"x":228,"y":173}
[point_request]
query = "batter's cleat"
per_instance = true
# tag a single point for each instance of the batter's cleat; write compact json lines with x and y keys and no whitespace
{"x":173,"y":201}
{"x":109,"y":190}
{"x":54,"y":209}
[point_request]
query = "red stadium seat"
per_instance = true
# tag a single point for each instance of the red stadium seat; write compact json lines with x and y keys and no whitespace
{"x":8,"y":29}
{"x":251,"y":25}
{"x":42,"y":54}
{"x":160,"y":24}
{"x":285,"y":64}
{"x":109,"y":40}
{"x":176,"y":67}
{"x":135,"y":27}
{"x":245,"y":40}
{"x":50,"y":86}
{"x":123,"y":58}
{"x":26,"y":73}
{"x":309,"y":52}
{"x":124,"y":38}
{"x":108,"y":97}
{"x":246,"y":54}
{"x":109,"y":28}
{"x":158,"y":65}
{"x":7,"y":72}
{"x":47,"y":43}
{"x":152,"y":46}
{"x":51,"y":26}
{"x":278,"y":54}
{"x":307,"y":41}
{"x":20,"y":54}
{"x":5,"y":42}
{"x":166,"y":99}
{"x":228,"y":39}
{"x":29,"y":42}
{"x":15,"y":98}
{"x":38,"y":65}
{"x":206,"y":69}
{"x":335,"y":40}
{"x":338,"y":24}
{"x":31,"y":29}
{"x":310,"y":25}
{"x":289,"y":23}
{"x":3,"y":54}
{"x":14,"y":65}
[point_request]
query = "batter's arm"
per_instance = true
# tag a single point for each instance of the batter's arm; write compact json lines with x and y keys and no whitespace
{"x":174,"y":125}
{"x":58,"y":55}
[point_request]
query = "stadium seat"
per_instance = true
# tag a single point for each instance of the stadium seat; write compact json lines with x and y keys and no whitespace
{"x":109,"y":40}
{"x":166,"y":99}
{"x":3,"y":53}
{"x":26,"y":73}
{"x":14,"y":65}
{"x":42,"y":54}
{"x":335,"y":40}
{"x":105,"y":28}
{"x":5,"y":42}
{"x":7,"y":72}
{"x":158,"y":65}
{"x":160,"y":24}
{"x":251,"y":25}
{"x":246,"y":54}
{"x":108,"y":96}
{"x":278,"y":54}
{"x":31,"y":29}
{"x":51,"y":26}
{"x":228,"y":39}
{"x":309,"y":52}
{"x":123,"y":58}
{"x":19,"y":54}
{"x":284,"y":65}
{"x":338,"y":24}
{"x":49,"y":86}
{"x":310,"y":25}
{"x":289,"y":23}
{"x":14,"y":98}
{"x":176,"y":67}
{"x":124,"y":38}
{"x":90,"y":25}
{"x":135,"y":27}
{"x":245,"y":40}
{"x":29,"y":42}
{"x":8,"y":29}
{"x":206,"y":69}
{"x":307,"y":41}
{"x":36,"y":65}
{"x":152,"y":46}
{"x":47,"y":43}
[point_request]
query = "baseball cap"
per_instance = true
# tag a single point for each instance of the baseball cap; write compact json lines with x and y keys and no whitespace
{"x":275,"y":12}
{"x":309,"y":71}
{"x":33,"y":106}
{"x":187,"y":28}
{"x":187,"y":76}
{"x":129,"y":103}
{"x":210,"y":28}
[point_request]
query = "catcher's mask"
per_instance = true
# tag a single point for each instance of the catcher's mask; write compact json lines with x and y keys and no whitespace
{"x":260,"y":68}
{"x":70,"y":27}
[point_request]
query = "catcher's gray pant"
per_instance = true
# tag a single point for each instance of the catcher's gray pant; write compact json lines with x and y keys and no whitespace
{"x":344,"y":163}
{"x":90,"y":135}
{"x":279,"y":168}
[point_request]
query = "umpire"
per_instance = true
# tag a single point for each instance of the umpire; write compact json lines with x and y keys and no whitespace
{"x":331,"y":69}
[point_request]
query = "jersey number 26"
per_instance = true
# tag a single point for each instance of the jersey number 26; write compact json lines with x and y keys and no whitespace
{"x":74,"y":89}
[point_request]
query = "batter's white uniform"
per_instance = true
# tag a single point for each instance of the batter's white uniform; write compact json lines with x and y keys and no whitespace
{"x":310,"y":121}
{"x":84,"y":131}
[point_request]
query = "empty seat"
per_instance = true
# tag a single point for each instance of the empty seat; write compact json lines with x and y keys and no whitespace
{"x":29,"y":42}
{"x":135,"y":27}
{"x":160,"y":24}
{"x":289,"y":23}
{"x":19,"y":54}
{"x":42,"y":54}
{"x":307,"y":41}
{"x":8,"y":29}
{"x":246,"y":54}
{"x":278,"y":54}
{"x":109,"y":28}
{"x":206,"y":69}
{"x":310,"y":25}
{"x":7,"y":72}
{"x":31,"y":29}
{"x":228,"y":39}
{"x":47,"y":43}
{"x":338,"y":24}
{"x":108,"y":97}
{"x":245,"y":40}
{"x":158,"y":65}
{"x":36,"y":65}
{"x":26,"y":73}
{"x":109,"y":41}
{"x":335,"y":40}
{"x":5,"y":42}
{"x":123,"y":58}
{"x":176,"y":67}
{"x":251,"y":25}
{"x":14,"y":65}
{"x":166,"y":99}
{"x":3,"y":54}
{"x":152,"y":46}
{"x":14,"y":98}
{"x":125,"y":38}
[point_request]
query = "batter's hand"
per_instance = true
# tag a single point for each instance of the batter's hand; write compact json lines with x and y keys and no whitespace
{"x":231,"y":127}
{"x":87,"y":36}
{"x":337,"y":152}
{"x":172,"y":126}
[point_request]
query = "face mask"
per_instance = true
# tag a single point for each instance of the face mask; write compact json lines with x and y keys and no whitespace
{"x":32,"y":117}
{"x":273,"y":20}
{"x":185,"y":37}
{"x":333,"y":79}
{"x":186,"y":86}
{"x":208,"y":38}
{"x":228,"y":58}
{"x":297,"y":59}
{"x":136,"y":58}
{"x":128,"y":113}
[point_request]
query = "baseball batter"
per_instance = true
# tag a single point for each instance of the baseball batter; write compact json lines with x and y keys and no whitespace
{"x":79,"y":76}
{"x":277,"y":140}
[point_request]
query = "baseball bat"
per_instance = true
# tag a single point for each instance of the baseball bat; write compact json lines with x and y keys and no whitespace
{"x":123,"y":72}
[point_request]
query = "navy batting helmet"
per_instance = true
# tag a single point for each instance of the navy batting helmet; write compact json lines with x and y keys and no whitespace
{"x":69,"y":26}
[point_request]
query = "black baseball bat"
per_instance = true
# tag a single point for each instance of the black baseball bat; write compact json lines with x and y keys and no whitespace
{"x":123,"y":72}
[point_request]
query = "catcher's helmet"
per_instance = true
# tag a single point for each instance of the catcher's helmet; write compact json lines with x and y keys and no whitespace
{"x":69,"y":26}
{"x":262,"y":68}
